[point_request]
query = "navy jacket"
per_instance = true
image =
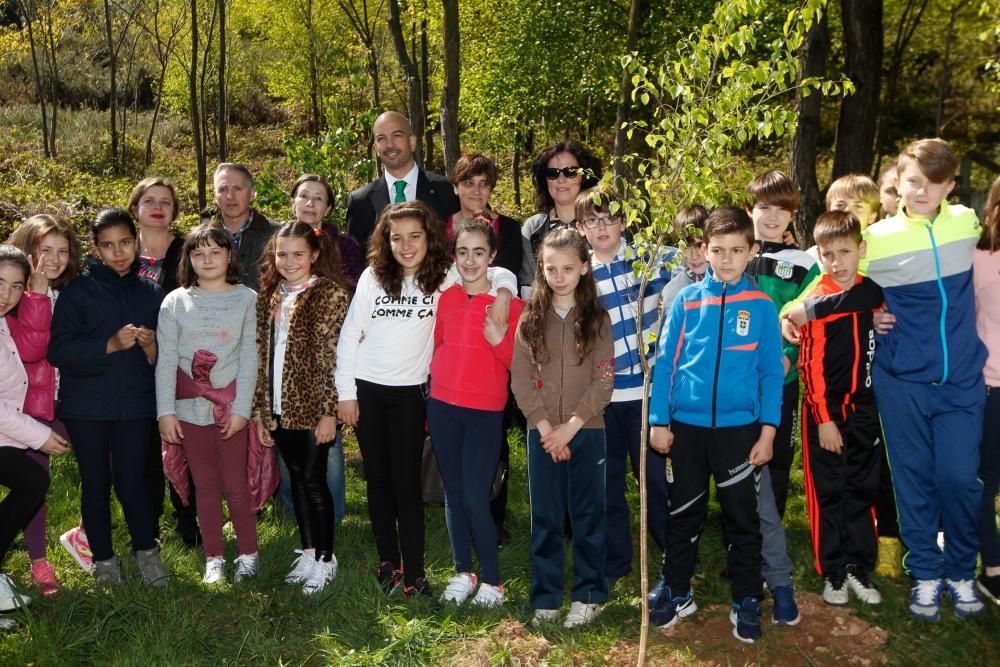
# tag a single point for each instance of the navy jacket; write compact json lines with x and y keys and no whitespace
{"x":92,"y":383}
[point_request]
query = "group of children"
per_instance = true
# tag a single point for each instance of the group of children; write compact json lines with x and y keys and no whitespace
{"x":885,"y":325}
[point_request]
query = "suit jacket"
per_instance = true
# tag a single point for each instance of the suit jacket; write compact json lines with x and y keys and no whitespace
{"x":365,"y":204}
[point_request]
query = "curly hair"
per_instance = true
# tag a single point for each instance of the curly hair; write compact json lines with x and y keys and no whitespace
{"x":327,"y":264}
{"x":436,"y":263}
{"x":34,"y":229}
{"x":200,"y":237}
{"x":592,"y":170}
{"x":588,"y":306}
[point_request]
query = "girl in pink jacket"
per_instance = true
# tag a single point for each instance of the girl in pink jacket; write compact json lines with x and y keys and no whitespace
{"x":470,"y":372}
{"x":55,"y":253}
{"x":28,"y":482}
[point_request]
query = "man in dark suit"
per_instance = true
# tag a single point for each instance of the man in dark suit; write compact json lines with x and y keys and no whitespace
{"x":402,"y":181}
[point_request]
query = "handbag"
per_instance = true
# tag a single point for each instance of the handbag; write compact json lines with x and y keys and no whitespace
{"x":432,"y":486}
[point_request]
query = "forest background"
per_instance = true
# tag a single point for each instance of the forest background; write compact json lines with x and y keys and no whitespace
{"x":95,"y":94}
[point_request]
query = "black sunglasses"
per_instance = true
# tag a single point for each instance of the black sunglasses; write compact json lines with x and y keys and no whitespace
{"x":552,"y":173}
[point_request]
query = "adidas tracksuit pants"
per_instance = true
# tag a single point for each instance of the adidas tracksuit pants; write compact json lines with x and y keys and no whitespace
{"x":698,"y":452}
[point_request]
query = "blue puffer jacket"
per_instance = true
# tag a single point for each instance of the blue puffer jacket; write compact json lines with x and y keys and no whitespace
{"x":92,"y":383}
{"x":719,"y":358}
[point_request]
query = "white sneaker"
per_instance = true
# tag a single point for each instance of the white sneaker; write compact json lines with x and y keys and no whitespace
{"x":246,"y":568}
{"x":10,"y":599}
{"x":322,"y":573}
{"x":7,"y":623}
{"x":544,"y":616}
{"x":488,"y":597}
{"x":861,"y":586}
{"x":964,"y":597}
{"x":835,"y":589}
{"x":580,"y":613}
{"x":215,"y":571}
{"x":301,"y":567}
{"x":459,"y":588}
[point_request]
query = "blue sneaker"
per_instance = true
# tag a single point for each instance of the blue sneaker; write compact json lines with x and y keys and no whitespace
{"x":745,"y":617}
{"x":964,"y":597}
{"x":665,"y":609}
{"x":925,"y":599}
{"x":785,"y":612}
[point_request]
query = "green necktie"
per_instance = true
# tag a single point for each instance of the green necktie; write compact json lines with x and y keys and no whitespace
{"x":400,"y":192}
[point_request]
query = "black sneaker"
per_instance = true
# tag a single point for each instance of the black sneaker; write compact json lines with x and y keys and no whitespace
{"x":989,"y":586}
{"x":389,"y":578}
{"x":420,"y":588}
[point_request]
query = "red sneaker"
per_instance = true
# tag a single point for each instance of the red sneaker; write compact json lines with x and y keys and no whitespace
{"x":43,"y":577}
{"x":75,"y":542}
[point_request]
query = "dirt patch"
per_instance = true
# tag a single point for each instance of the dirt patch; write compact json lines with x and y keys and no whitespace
{"x":826,"y":636}
{"x":511,"y":639}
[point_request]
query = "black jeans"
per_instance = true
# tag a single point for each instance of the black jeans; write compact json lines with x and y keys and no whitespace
{"x":306,"y":462}
{"x":391,"y":437}
{"x":118,"y":451}
{"x":28,"y":483}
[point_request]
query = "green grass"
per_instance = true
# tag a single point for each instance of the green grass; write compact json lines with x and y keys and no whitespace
{"x":353,"y":623}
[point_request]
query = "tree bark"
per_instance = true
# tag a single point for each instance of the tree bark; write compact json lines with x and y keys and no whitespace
{"x":637,"y":15}
{"x":223,"y":119}
{"x":50,"y":55}
{"x":450,"y":93}
{"x":28,"y":13}
{"x":812,"y":62}
{"x":412,"y":76}
{"x":113,"y":92}
{"x":199,"y":149}
{"x":425,"y":92}
{"x":855,"y":144}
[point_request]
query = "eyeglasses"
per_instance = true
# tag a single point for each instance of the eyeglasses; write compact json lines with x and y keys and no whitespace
{"x":306,"y":199}
{"x":552,"y":173}
{"x":594,"y":223}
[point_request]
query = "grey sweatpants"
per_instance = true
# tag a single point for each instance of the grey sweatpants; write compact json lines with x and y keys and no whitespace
{"x":777,"y":570}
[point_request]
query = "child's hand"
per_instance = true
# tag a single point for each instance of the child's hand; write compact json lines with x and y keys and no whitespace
{"x":790,"y":332}
{"x":797,"y":315}
{"x":235,"y":424}
{"x":543,"y":427}
{"x":54,"y":444}
{"x":38,"y":282}
{"x":762,"y":450}
{"x":561,"y":435}
{"x":263,"y":435}
{"x":348,"y":412}
{"x":786,"y":364}
{"x":883,"y":320}
{"x":500,"y":310}
{"x":326,"y":430}
{"x":560,"y":455}
{"x":493,"y":332}
{"x":123,"y":339}
{"x":788,"y":238}
{"x":145,"y":337}
{"x":170,"y":430}
{"x":661,"y":438}
{"x":830,"y":438}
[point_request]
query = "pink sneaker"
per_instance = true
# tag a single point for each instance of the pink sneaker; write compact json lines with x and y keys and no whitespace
{"x":43,"y":577}
{"x":75,"y":542}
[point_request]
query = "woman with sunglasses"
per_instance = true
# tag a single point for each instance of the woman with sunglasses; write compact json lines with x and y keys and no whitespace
{"x":558,"y":173}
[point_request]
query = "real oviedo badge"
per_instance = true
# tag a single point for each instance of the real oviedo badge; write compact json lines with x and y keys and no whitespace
{"x":743,"y":323}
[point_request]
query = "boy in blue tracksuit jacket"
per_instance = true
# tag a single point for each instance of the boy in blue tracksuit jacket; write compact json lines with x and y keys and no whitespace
{"x":715,"y":408}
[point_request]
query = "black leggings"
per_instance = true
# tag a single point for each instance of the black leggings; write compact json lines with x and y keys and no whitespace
{"x":28,"y":483}
{"x":306,"y":461}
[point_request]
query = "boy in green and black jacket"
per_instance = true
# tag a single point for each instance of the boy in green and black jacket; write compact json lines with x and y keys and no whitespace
{"x":782,"y":271}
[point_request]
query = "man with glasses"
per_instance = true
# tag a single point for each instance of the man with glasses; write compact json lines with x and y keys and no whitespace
{"x":402,"y":181}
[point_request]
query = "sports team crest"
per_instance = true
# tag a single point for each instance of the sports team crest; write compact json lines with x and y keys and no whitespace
{"x":743,"y":323}
{"x":784,"y":269}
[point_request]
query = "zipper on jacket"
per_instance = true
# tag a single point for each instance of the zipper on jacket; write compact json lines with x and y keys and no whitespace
{"x":562,"y":364}
{"x":718,"y":353}
{"x":944,"y":305}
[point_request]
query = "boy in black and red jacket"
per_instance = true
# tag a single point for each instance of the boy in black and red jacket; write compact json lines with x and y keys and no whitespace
{"x":841,"y":436}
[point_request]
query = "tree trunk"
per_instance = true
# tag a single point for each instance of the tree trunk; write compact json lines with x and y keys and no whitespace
{"x":199,"y":148}
{"x":450,"y":93}
{"x":53,"y":81}
{"x":28,"y":13}
{"x":946,"y":67}
{"x":425,"y":92}
{"x":412,"y":76}
{"x":908,"y":22}
{"x":812,"y":62}
{"x":223,"y":120}
{"x":855,"y":144}
{"x":113,"y":93}
{"x":637,"y":15}
{"x":516,"y":170}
